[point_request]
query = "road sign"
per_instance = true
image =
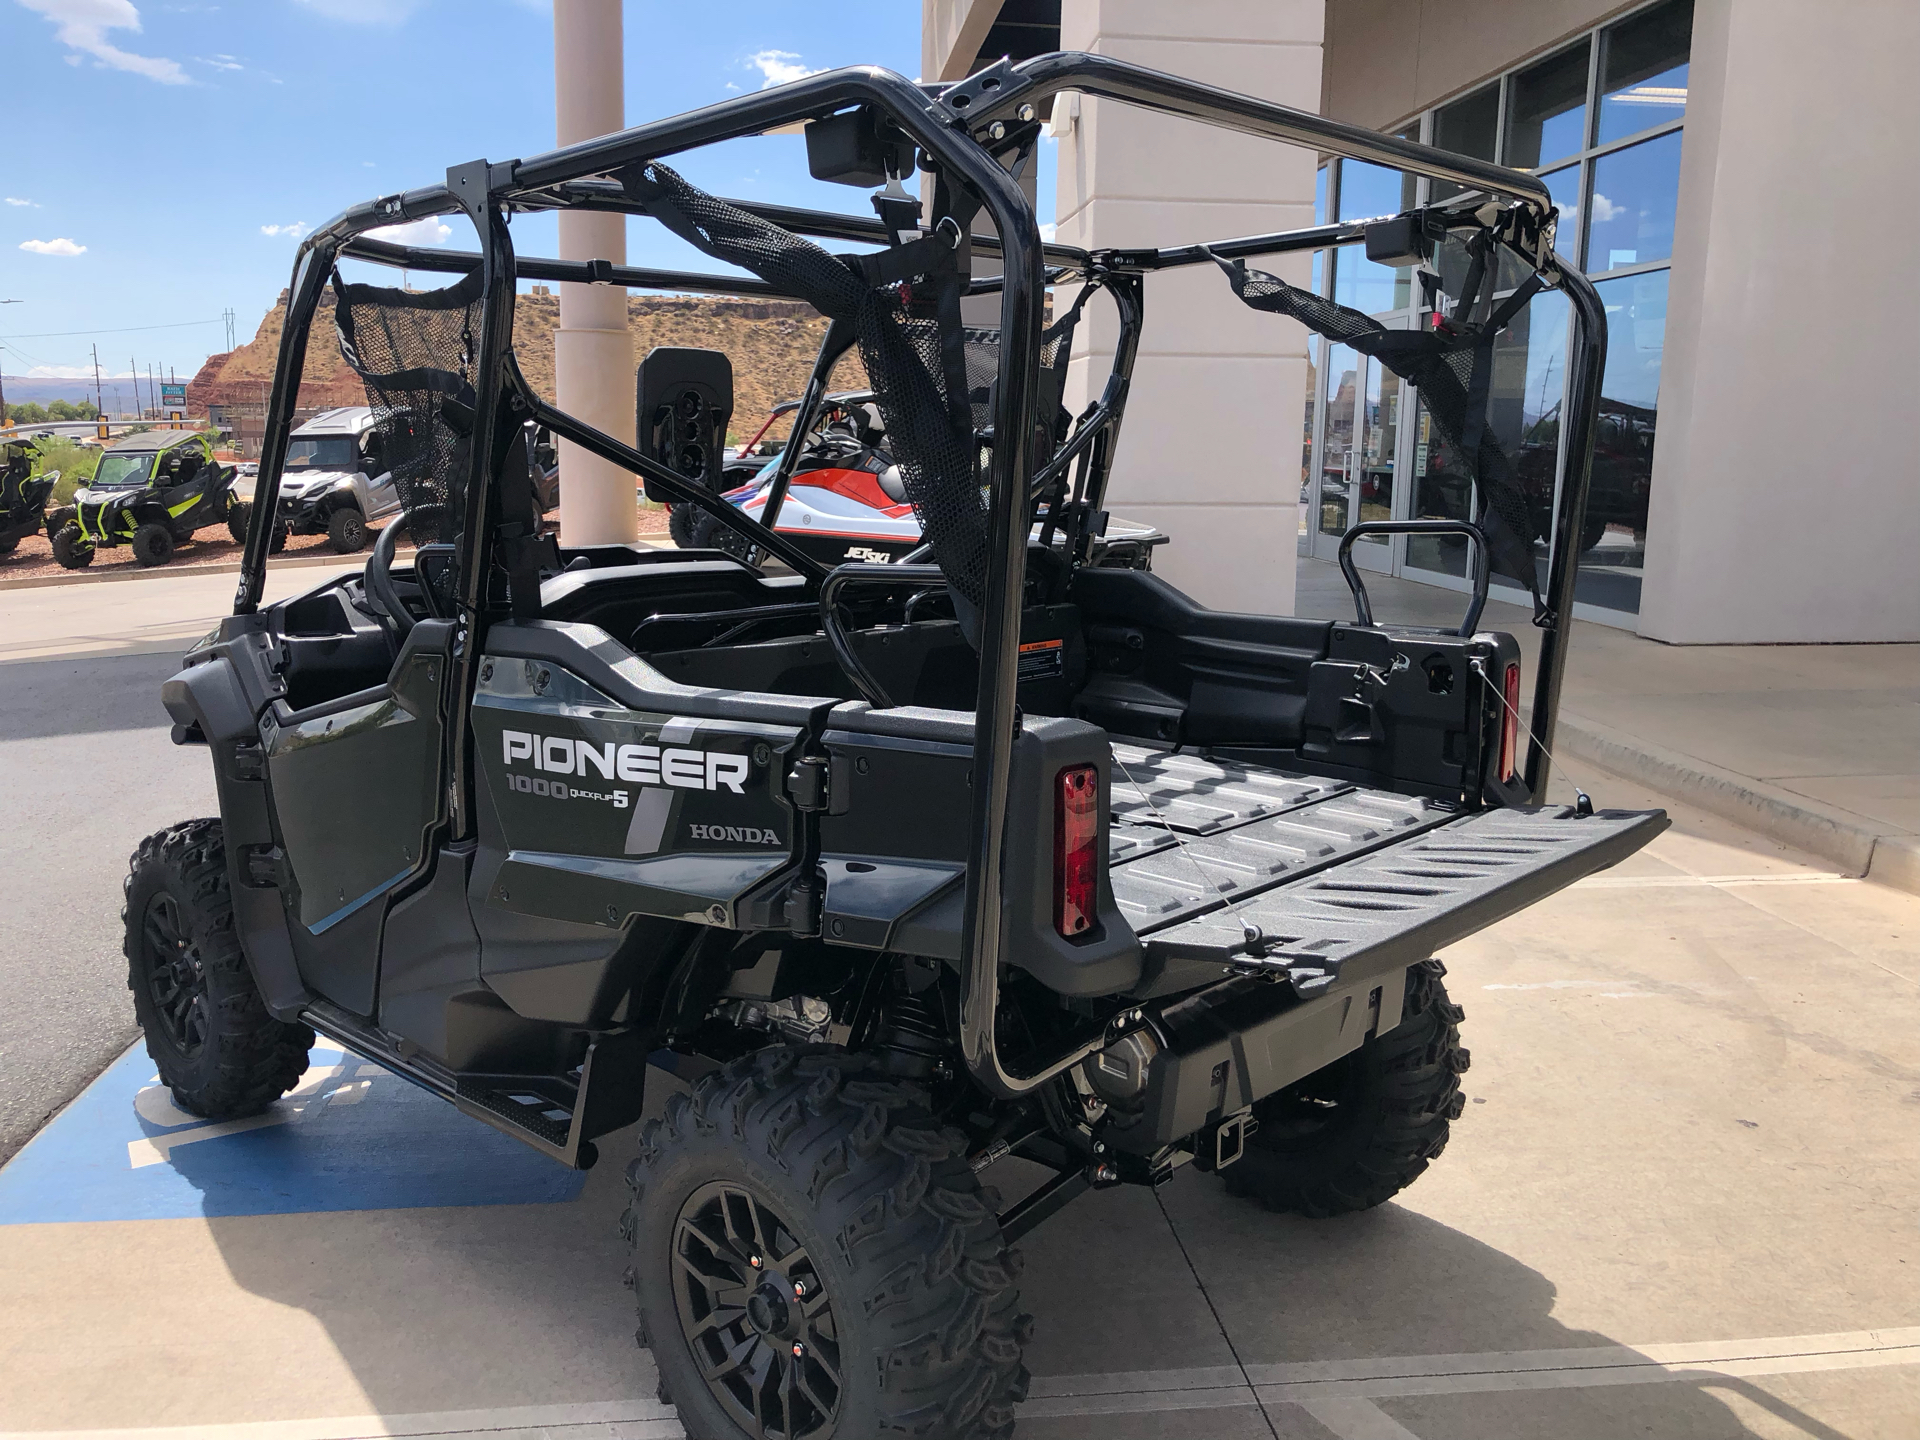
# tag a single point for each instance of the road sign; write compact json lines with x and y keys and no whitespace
{"x":173,"y":398}
{"x":351,"y":1136}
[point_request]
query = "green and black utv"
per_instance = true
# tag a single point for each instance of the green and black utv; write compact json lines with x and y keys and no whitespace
{"x":152,"y":491}
{"x":886,"y":872}
{"x":23,"y":494}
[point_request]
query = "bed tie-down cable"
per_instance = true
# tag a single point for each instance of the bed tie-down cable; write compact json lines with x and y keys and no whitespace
{"x":1583,"y":803}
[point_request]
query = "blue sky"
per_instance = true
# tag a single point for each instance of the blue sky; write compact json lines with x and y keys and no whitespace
{"x":177,"y":148}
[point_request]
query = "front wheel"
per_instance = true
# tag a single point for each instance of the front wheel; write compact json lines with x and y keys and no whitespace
{"x":153,"y":544}
{"x":1358,"y":1132}
{"x":207,"y":1029}
{"x":347,"y":531}
{"x":71,"y":548}
{"x":814,"y":1258}
{"x":8,"y":543}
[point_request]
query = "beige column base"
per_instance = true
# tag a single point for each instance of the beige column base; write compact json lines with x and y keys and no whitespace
{"x":593,"y":375}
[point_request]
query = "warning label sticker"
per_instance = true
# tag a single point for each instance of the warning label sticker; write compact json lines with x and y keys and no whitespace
{"x":1043,"y":659}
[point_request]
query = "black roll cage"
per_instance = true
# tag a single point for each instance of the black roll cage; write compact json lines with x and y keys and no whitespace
{"x":965,"y":129}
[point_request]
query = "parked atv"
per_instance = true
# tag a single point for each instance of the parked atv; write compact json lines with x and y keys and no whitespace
{"x":334,"y":483}
{"x":885,"y":872}
{"x":151,"y":491}
{"x":23,"y":494}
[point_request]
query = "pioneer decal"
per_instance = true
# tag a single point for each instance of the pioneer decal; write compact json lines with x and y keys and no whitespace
{"x":680,"y":767}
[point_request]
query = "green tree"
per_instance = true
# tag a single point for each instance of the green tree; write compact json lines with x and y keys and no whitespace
{"x":73,"y":410}
{"x":27,"y":414}
{"x":74,"y":461}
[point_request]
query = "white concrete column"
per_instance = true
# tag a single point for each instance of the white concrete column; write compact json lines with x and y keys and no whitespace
{"x":1783,"y":504}
{"x":1210,"y":451}
{"x":592,"y":349}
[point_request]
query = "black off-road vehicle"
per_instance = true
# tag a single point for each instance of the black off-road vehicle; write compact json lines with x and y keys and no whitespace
{"x":894,"y":870}
{"x":151,"y":490}
{"x":23,"y":494}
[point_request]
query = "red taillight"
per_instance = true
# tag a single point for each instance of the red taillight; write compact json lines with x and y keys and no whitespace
{"x":1510,"y":724}
{"x":1076,"y":828}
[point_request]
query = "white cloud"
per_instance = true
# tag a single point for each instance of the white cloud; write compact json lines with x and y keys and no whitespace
{"x":29,"y":204}
{"x":779,"y":67}
{"x":365,"y":12}
{"x":62,"y":246}
{"x":293,"y":232}
{"x":1048,"y":231}
{"x":1605,"y":210}
{"x":82,"y":25}
{"x":424,"y":231}
{"x":74,"y":372}
{"x":220,"y":62}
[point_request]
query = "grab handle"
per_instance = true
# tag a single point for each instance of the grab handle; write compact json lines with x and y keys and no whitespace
{"x":1482,"y":569}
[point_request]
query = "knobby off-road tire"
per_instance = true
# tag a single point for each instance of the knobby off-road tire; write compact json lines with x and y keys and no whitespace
{"x":153,"y":544}
{"x":347,"y":530}
{"x":1358,"y":1132}
{"x":840,"y":1183}
{"x":8,"y":543}
{"x":72,"y":549}
{"x":207,"y":1028}
{"x":680,"y":520}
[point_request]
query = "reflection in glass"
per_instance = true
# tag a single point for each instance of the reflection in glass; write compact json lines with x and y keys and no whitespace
{"x":1320,"y":196}
{"x":1468,"y":126}
{"x":1336,"y":449}
{"x":1564,"y":186}
{"x":1314,"y":346}
{"x":1643,"y":71}
{"x":1366,"y":191}
{"x":1378,"y":442}
{"x":1635,"y":192}
{"x":1442,"y":490}
{"x":1613,"y":539}
{"x":1358,"y":282}
{"x":1547,"y":110}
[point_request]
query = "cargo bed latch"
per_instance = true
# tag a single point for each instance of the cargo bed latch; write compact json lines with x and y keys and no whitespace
{"x":807,"y":783}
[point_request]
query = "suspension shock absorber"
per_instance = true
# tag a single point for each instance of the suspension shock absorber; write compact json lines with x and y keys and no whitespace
{"x":913,"y":1035}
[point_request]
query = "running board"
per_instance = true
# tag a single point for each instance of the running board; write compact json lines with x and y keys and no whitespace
{"x":557,"y":1115}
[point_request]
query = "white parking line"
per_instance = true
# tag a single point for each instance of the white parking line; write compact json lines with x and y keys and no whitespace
{"x":1666,"y":882}
{"x":1340,"y":1394}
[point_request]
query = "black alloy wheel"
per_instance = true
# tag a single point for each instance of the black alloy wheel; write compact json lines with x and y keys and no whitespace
{"x":176,"y":975}
{"x":756,"y":1313}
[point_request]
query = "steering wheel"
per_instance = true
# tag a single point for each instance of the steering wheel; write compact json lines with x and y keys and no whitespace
{"x":382,"y":594}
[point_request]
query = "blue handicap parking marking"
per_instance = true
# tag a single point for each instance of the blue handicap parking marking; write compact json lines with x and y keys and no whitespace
{"x":350,"y":1136}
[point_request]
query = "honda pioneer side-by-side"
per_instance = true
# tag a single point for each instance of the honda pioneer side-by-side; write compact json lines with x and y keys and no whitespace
{"x":886,"y":871}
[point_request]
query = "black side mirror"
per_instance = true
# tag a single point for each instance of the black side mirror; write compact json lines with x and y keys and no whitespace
{"x":683,"y":401}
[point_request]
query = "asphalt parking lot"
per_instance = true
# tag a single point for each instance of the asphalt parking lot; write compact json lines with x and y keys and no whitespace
{"x":1681,"y":1202}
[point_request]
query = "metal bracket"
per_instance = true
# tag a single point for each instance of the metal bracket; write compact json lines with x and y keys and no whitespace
{"x":984,"y":91}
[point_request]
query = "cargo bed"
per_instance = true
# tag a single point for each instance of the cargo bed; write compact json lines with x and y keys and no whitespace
{"x":1341,"y":881}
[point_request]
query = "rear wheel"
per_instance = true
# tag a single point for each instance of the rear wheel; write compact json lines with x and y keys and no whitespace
{"x":8,"y":544}
{"x":814,"y":1258}
{"x":347,"y":530}
{"x":207,"y":1029}
{"x":1358,"y":1132}
{"x":72,"y":549}
{"x":153,"y":544}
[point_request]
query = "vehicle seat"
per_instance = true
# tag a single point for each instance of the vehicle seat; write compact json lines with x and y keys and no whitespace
{"x":894,"y":487}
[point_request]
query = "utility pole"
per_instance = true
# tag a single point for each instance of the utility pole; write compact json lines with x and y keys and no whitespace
{"x":227,"y":315}
{"x":99,"y":396}
{"x":4,"y":421}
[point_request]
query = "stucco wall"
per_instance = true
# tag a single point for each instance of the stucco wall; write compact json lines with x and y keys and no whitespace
{"x":1211,"y":447}
{"x":1786,"y":495}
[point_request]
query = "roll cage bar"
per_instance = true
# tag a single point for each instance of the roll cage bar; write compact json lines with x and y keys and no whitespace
{"x":965,"y":131}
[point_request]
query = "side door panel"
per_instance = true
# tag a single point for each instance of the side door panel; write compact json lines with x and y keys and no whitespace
{"x":355,"y":786}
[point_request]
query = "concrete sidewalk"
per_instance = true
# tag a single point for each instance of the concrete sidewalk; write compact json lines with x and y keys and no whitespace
{"x":1814,"y":746}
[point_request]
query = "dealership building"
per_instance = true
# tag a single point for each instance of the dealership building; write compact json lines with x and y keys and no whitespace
{"x":1730,"y":173}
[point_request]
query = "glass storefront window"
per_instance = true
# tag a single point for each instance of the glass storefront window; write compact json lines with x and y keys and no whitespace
{"x":1643,"y":71}
{"x":1613,"y":540}
{"x":1366,"y":191}
{"x":1469,"y":126}
{"x":1547,"y":110}
{"x":1564,"y":185}
{"x":1336,"y":446}
{"x":1635,"y":192}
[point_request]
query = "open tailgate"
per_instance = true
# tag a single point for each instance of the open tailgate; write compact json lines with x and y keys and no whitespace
{"x":1343,"y":882}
